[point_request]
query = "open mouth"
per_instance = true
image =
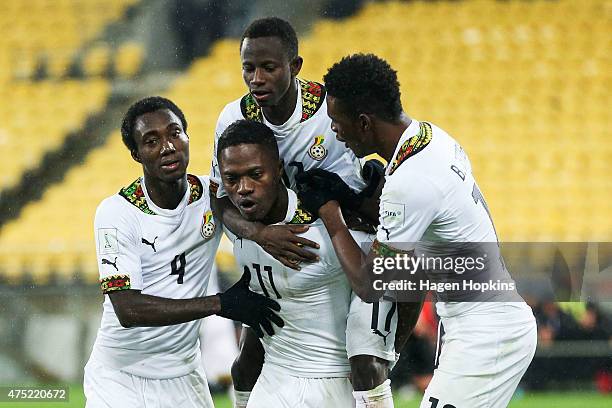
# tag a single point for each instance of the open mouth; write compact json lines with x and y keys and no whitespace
{"x":247,"y":206}
{"x":261,"y":95}
{"x":173,"y":165}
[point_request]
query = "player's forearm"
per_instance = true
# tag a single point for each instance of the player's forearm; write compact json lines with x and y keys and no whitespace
{"x":231,"y":218}
{"x":137,"y":309}
{"x":247,"y":366}
{"x":407,"y":317}
{"x":347,"y":250}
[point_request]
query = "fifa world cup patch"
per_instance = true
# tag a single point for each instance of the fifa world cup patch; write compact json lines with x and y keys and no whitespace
{"x":207,"y":230}
{"x":413,"y":145}
{"x":115,"y":282}
{"x":392,"y":214}
{"x":107,"y":241}
{"x":317,"y":151}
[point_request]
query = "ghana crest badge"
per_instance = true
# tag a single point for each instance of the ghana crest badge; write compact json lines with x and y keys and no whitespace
{"x":208,"y":225}
{"x":317,"y":151}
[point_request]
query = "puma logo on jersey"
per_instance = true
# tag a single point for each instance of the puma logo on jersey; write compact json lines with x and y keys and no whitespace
{"x":151,"y":244}
{"x":386,"y":231}
{"x":317,"y":151}
{"x":378,"y":332}
{"x":107,"y":262}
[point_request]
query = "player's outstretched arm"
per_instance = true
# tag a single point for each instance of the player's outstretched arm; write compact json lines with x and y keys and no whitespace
{"x":134,"y":308}
{"x":239,"y":303}
{"x":280,"y":241}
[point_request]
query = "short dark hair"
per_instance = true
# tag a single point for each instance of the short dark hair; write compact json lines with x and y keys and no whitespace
{"x":146,"y":105}
{"x":365,"y":83}
{"x":248,"y":132}
{"x":274,"y":27}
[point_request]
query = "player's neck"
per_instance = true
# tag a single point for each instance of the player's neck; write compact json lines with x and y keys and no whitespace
{"x":166,"y":195}
{"x":391,"y":135}
{"x":278,"y":212}
{"x":281,"y":112}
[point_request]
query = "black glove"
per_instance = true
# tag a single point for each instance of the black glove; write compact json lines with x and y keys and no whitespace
{"x":373,"y":171}
{"x":317,"y":186}
{"x":241,"y":304}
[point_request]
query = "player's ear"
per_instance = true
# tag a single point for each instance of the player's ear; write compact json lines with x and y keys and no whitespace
{"x":296,"y":65}
{"x":365,"y":122}
{"x":135,"y":155}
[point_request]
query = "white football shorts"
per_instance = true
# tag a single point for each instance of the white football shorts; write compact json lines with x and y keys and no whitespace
{"x":371,"y":327}
{"x":482,"y":357}
{"x":105,"y":387}
{"x":274,"y":388}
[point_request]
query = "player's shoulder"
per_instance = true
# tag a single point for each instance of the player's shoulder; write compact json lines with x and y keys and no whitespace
{"x":411,"y":147}
{"x":116,"y":209}
{"x":230,"y":113}
{"x":313,"y":99}
{"x":414,"y":174}
{"x":111,"y":204}
{"x":199,"y":188}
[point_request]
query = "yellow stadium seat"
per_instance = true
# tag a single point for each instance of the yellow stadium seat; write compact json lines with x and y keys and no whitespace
{"x":96,"y":61}
{"x":128,"y":59}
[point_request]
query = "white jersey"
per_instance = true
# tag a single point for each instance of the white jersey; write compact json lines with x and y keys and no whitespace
{"x":430,"y":196}
{"x":305,"y":140}
{"x":314,"y":302}
{"x":161,"y":252}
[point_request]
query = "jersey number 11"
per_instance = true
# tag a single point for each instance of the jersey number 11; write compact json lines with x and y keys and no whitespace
{"x":267,"y":269}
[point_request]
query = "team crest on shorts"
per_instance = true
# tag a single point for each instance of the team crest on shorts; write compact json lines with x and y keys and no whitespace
{"x":208,"y":225}
{"x":317,"y":151}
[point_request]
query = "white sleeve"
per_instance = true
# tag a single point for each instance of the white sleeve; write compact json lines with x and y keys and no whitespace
{"x":215,"y":174}
{"x":117,"y":247}
{"x":407,"y":209}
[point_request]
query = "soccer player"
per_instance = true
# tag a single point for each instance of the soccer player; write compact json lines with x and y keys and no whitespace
{"x":306,"y":362}
{"x":156,"y":241}
{"x":296,"y":112}
{"x":429,"y":195}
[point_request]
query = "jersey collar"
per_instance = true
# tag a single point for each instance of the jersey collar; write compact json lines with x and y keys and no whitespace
{"x":292,"y":206}
{"x":164,"y":211}
{"x":414,"y":139}
{"x":310,"y":97}
{"x":295,"y":213}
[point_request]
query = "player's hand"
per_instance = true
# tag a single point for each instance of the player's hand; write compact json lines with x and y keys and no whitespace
{"x":241,"y":304}
{"x":285,"y":245}
{"x":373,"y":173}
{"x":317,"y":186}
